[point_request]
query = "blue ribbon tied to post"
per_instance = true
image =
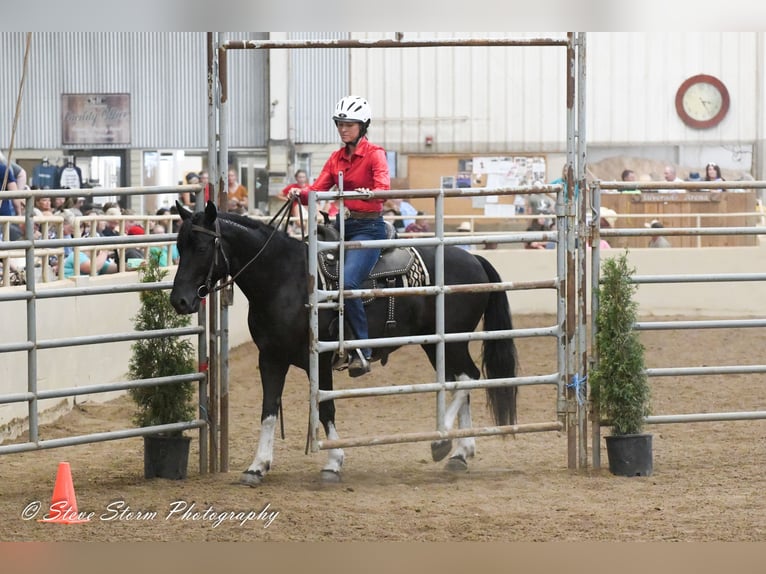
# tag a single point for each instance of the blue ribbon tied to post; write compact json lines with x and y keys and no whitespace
{"x":578,"y":384}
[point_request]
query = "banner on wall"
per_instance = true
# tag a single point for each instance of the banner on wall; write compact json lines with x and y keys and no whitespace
{"x":95,"y":119}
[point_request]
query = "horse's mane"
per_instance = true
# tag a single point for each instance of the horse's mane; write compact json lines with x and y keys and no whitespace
{"x":254,"y":224}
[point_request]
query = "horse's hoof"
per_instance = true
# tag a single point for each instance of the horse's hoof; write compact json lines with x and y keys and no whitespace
{"x":456,"y":464}
{"x":440,"y":449}
{"x":330,"y":476}
{"x":251,"y":478}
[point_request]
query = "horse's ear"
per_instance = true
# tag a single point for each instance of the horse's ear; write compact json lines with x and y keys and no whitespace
{"x":211,"y":212}
{"x":183,"y":211}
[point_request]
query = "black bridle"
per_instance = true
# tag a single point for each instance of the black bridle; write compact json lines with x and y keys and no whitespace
{"x":205,"y":289}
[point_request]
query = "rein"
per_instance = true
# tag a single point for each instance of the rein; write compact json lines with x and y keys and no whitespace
{"x":204,"y":290}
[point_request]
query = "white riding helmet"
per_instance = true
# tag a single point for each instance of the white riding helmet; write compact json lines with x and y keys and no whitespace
{"x":352,"y":109}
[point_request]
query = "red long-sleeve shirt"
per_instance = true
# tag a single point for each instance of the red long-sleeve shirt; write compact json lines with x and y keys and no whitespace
{"x":366,"y":168}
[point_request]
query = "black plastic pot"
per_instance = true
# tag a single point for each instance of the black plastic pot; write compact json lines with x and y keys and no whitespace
{"x":630,"y":454}
{"x":166,"y":456}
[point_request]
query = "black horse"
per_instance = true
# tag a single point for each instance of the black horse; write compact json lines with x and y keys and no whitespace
{"x":270,"y":268}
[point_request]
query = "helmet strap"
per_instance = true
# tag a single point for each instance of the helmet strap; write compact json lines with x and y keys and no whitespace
{"x":362,"y":131}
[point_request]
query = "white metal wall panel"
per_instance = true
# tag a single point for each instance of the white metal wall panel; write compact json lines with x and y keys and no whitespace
{"x":477,"y":99}
{"x":248,"y":94}
{"x":633,"y":78}
{"x":165,"y":73}
{"x":318,"y":79}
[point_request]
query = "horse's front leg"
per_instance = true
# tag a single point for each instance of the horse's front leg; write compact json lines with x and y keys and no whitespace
{"x":272,"y":381}
{"x":331,"y":470}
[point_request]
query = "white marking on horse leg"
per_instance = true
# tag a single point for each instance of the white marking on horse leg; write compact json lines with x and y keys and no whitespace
{"x":334,"y":455}
{"x":458,"y":398}
{"x":441,"y":448}
{"x":263,"y":456}
{"x":465,"y":446}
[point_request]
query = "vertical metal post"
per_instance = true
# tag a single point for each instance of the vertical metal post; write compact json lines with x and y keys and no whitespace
{"x":226,"y":300}
{"x":571,"y":278}
{"x":563,"y":225}
{"x":221,"y":308}
{"x":580,"y":365}
{"x":595,"y":264}
{"x":341,"y":267}
{"x":29,"y":235}
{"x":212,"y":137}
{"x":313,"y":286}
{"x":441,"y":395}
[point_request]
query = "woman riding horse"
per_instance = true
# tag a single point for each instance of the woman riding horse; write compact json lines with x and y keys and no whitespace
{"x":364,"y":167}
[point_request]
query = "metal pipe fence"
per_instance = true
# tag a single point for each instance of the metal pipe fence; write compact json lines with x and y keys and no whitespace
{"x":595,"y":232}
{"x":334,"y":300}
{"x":33,"y":342}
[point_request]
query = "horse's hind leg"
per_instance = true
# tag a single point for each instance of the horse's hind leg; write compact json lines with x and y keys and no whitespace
{"x":460,"y":367}
{"x":459,"y":408}
{"x":466,"y":447}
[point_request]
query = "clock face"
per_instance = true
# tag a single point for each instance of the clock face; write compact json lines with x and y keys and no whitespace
{"x":702,"y":101}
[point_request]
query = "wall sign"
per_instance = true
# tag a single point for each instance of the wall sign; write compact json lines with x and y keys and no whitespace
{"x":95,"y":119}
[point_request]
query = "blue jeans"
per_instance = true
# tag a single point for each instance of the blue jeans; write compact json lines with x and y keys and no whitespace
{"x":358,"y":264}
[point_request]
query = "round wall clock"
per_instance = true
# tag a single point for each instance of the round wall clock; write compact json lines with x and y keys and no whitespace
{"x":702,"y":101}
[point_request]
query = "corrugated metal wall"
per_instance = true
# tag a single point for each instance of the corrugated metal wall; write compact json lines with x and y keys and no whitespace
{"x":165,"y":73}
{"x":477,"y":99}
{"x":318,"y":79}
{"x":248,"y":93}
{"x":468,"y":99}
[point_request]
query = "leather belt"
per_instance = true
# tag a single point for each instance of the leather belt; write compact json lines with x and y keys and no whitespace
{"x":348,"y":214}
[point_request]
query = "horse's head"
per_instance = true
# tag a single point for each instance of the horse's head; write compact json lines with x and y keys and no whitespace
{"x":201,"y":260}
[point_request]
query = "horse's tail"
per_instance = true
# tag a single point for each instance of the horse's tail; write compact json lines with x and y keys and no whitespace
{"x":499,"y":356}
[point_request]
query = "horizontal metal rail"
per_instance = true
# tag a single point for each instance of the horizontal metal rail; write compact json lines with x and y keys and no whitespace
{"x":687,"y":231}
{"x":712,"y":370}
{"x":703,"y":324}
{"x":102,"y":290}
{"x":435,"y":387}
{"x":101,"y":437}
{"x":439,"y":435}
{"x":324,"y":346}
{"x":390,"y":43}
{"x":101,"y":388}
{"x":672,"y":186}
{"x":514,"y":237}
{"x":326,"y":295}
{"x":23,"y":294}
{"x":118,"y":337}
{"x":17,"y":293}
{"x":435,"y":192}
{"x":706,"y":417}
{"x":702,"y":278}
{"x":99,"y":192}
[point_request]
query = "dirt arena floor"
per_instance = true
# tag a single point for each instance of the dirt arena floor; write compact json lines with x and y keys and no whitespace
{"x":708,"y":481}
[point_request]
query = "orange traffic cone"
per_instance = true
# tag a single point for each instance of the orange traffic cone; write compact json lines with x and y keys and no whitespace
{"x":64,"y":502}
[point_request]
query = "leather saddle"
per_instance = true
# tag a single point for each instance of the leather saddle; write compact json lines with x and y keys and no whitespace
{"x":396,"y":267}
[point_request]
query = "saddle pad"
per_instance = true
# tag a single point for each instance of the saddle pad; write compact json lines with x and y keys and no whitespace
{"x":402,"y":266}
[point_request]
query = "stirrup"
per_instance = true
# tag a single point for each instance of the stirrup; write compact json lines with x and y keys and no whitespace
{"x":339,"y":362}
{"x":358,"y":365}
